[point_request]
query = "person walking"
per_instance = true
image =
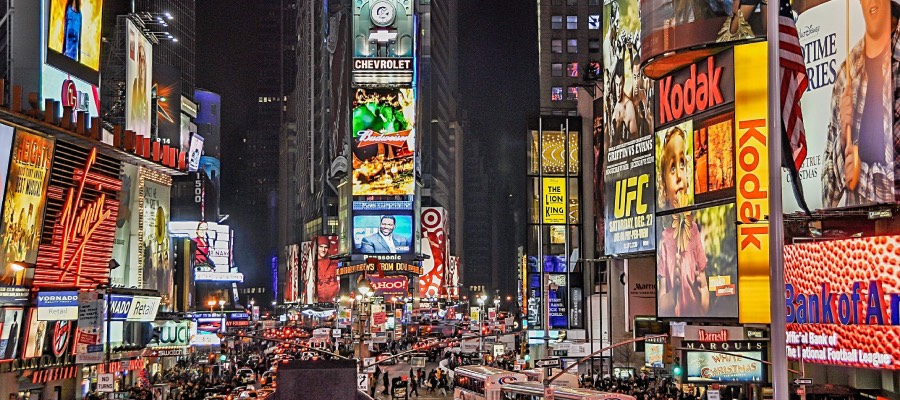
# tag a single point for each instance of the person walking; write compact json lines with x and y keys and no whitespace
{"x":387,"y":383}
{"x":414,"y":385}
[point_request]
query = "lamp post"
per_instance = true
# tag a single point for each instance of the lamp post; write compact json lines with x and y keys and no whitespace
{"x":480,"y":301}
{"x":211,"y":303}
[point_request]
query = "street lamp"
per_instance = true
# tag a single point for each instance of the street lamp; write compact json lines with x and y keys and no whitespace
{"x":222,"y":305}
{"x":211,"y":303}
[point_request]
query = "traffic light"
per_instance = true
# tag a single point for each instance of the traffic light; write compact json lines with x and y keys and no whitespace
{"x":676,"y":369}
{"x":527,"y":356}
{"x":223,"y":358}
{"x":668,"y":353}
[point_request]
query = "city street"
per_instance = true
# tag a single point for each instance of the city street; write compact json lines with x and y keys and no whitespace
{"x":403,"y":369}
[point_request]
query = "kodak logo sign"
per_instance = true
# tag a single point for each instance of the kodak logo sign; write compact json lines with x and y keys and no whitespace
{"x":701,"y":90}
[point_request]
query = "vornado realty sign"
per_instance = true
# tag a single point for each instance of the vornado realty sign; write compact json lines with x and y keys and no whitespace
{"x":695,"y":89}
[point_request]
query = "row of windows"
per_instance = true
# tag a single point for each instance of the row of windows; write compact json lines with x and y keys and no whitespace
{"x":571,"y":22}
{"x":556,"y":46}
{"x":572,"y":70}
{"x":571,"y":93}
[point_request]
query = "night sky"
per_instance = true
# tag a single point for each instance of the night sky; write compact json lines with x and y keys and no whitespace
{"x":498,"y":85}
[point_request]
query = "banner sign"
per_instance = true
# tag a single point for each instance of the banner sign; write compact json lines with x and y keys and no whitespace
{"x":384,"y":33}
{"x":843,"y":302}
{"x":133,"y":308}
{"x":392,"y":285}
{"x":292,"y":274}
{"x":387,"y":267}
{"x":554,"y":199}
{"x":625,"y":152}
{"x":57,"y":306}
{"x":13,"y":295}
{"x":435,"y":245}
{"x":705,"y":367}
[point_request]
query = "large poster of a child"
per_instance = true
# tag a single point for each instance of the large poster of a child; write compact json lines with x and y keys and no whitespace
{"x":696,"y":263}
{"x":675,"y":167}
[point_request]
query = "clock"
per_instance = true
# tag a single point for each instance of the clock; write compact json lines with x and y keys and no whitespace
{"x":383,"y":13}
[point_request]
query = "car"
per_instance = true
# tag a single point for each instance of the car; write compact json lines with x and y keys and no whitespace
{"x":267,"y":377}
{"x":386,"y":356}
{"x":248,"y":394}
{"x":266,"y":392}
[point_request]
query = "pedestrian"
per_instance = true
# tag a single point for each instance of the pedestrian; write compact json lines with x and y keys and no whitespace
{"x":387,"y":383}
{"x":414,"y":386}
{"x":442,"y":384}
{"x":373,"y":383}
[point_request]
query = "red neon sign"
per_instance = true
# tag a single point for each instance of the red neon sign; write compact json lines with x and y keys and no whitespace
{"x":83,"y":233}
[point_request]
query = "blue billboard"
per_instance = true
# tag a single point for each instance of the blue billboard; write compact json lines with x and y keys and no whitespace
{"x":383,"y":234}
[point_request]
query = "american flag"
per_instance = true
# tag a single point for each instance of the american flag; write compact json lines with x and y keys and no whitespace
{"x":793,"y":83}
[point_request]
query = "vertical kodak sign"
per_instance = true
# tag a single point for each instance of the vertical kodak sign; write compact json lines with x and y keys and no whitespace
{"x":554,"y":198}
{"x":751,"y":137}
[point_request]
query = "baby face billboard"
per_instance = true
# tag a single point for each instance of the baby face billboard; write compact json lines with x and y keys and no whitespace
{"x":138,"y":81}
{"x":843,"y":302}
{"x":851,"y":67}
{"x":73,"y":37}
{"x":383,"y":142}
{"x":696,"y":264}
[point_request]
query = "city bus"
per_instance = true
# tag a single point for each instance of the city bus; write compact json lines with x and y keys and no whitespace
{"x":535,"y":391}
{"x":478,"y":382}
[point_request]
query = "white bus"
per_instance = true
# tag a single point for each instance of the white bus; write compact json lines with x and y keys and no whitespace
{"x":478,"y":382}
{"x":535,"y":391}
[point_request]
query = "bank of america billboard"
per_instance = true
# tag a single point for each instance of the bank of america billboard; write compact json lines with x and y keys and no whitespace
{"x":384,"y":34}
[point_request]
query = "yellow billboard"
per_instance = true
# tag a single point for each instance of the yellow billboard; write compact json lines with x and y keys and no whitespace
{"x":751,"y":137}
{"x":554,"y":199}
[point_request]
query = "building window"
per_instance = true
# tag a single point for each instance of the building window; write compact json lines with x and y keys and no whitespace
{"x":594,"y":21}
{"x":556,"y":46}
{"x":594,"y":2}
{"x":572,"y":2}
{"x":572,"y":93}
{"x":556,"y":22}
{"x":556,"y":93}
{"x":572,"y":70}
{"x":571,"y":22}
{"x":556,"y":70}
{"x":593,"y":45}
{"x":572,"y":46}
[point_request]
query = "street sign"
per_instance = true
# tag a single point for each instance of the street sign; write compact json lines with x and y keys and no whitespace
{"x":548,"y":393}
{"x":105,"y":383}
{"x":712,"y":395}
{"x":803,"y":381}
{"x":367,"y":363}
{"x":547,"y":363}
{"x":336,"y":333}
{"x":417,"y":361}
{"x":362,"y":382}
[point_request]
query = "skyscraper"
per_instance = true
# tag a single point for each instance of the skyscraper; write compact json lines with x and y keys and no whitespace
{"x":568,"y":38}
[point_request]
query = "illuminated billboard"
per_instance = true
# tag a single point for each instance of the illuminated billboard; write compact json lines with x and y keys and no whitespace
{"x":383,"y":234}
{"x":211,"y":248}
{"x":677,"y":33}
{"x":384,"y":33}
{"x":154,"y":249}
{"x":167,"y":90}
{"x":73,"y":37}
{"x":24,"y":201}
{"x":850,"y":158}
{"x":707,"y":367}
{"x":327,"y":283}
{"x":307,"y":273}
{"x":696,"y":264}
{"x":138,"y":81}
{"x":843,"y":302}
{"x":624,"y":131}
{"x":383,"y":142}
{"x":435,"y":245}
{"x":292,"y":273}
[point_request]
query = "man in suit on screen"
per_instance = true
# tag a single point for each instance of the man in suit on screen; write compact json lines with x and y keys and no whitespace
{"x":384,"y":241}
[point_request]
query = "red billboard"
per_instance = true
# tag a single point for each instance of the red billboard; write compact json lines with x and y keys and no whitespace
{"x":434,"y":244}
{"x":84,"y":226}
{"x":390,"y":286}
{"x":843,"y":302}
{"x":327,"y":283}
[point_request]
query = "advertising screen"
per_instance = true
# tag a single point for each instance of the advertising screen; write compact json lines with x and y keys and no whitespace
{"x":696,"y":264}
{"x":653,"y":355}
{"x":167,"y":85}
{"x":155,"y":252}
{"x":128,"y":211}
{"x":211,"y":172}
{"x":138,"y":81}
{"x":384,"y":35}
{"x":715,"y":367}
{"x":675,"y":33}
{"x":292,"y":273}
{"x":53,"y":306}
{"x":6,"y":146}
{"x":24,"y":202}
{"x":307,"y":273}
{"x":558,"y":302}
{"x":554,"y":200}
{"x":626,"y":119}
{"x":35,"y":333}
{"x":849,"y":135}
{"x":327,"y":283}
{"x":434,"y":221}
{"x":383,"y":142}
{"x":390,"y":286}
{"x":675,"y":166}
{"x":211,"y":248}
{"x":73,"y":37}
{"x":70,"y":91}
{"x":383,"y":234}
{"x":195,"y":150}
{"x":11,"y":332}
{"x":843,"y":302}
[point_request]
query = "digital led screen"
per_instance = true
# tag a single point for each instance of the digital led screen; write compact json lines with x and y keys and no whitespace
{"x":383,"y":234}
{"x":73,"y":37}
{"x":383,"y":142}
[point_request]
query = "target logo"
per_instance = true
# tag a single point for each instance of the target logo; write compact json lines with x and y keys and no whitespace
{"x":432,"y":219}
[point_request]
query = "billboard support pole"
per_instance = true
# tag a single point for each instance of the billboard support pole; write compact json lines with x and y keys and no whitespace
{"x":776,"y":215}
